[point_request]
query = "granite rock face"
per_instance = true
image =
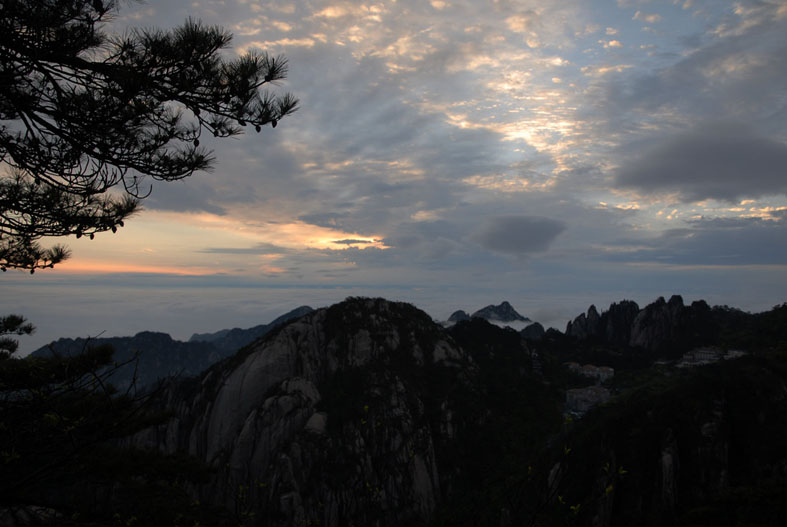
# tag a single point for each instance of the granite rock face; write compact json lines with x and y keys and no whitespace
{"x":612,"y":326}
{"x":657,"y":324}
{"x":585,"y":325}
{"x":323,"y":422}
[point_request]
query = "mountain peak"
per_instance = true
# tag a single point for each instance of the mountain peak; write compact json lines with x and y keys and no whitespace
{"x":504,"y":312}
{"x":458,"y":316}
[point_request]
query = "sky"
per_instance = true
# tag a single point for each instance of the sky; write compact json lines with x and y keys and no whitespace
{"x":455,"y":154}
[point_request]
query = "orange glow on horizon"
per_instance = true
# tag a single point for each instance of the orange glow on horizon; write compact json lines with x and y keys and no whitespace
{"x":292,"y":235}
{"x":98,"y":267}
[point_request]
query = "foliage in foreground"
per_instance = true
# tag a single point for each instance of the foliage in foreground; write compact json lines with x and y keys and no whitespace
{"x":61,"y":462}
{"x":87,"y":113}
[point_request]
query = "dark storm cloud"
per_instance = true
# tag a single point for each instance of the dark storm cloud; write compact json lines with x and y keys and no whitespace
{"x":722,"y":161}
{"x":743,"y":241}
{"x":518,"y":234}
{"x":712,"y":242}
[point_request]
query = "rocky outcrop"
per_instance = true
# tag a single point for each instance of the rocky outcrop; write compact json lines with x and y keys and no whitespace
{"x":658,"y":324}
{"x":458,"y":316}
{"x":324,"y":421}
{"x":580,"y":400}
{"x":612,"y":326}
{"x":585,"y":326}
{"x":667,"y":327}
{"x":534,"y":331}
{"x":600,"y":373}
{"x":617,"y":322}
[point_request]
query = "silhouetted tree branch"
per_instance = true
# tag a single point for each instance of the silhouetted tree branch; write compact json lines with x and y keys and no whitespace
{"x":87,"y":116}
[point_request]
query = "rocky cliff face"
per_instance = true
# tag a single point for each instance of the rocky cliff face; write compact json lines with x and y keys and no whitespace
{"x":657,"y":324}
{"x":585,"y":325}
{"x":612,"y":326}
{"x":331,"y":420}
{"x":662,"y":326}
{"x":617,"y":322}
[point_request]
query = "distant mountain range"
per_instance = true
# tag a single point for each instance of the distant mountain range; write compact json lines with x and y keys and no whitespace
{"x":368,"y":412}
{"x":662,"y":326}
{"x":502,"y":315}
{"x":502,"y":312}
{"x":231,"y":340}
{"x":150,"y":356}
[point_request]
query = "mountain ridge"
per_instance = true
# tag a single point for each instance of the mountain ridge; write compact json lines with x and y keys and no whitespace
{"x":368,"y":412}
{"x":150,"y":356}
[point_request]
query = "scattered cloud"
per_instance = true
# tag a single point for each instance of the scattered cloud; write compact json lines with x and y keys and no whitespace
{"x":611,"y":43}
{"x":648,"y":18}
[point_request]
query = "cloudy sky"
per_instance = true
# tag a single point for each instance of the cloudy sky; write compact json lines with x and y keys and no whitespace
{"x":457,"y":153}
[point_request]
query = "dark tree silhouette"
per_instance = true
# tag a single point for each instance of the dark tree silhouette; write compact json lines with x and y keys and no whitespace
{"x":86,"y":117}
{"x":12,"y":325}
{"x":61,"y":456}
